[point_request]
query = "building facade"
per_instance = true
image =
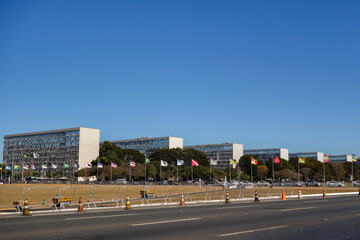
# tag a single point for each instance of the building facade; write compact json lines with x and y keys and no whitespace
{"x":266,"y":154}
{"x":313,"y":155}
{"x":340,"y":158}
{"x":221,"y":153}
{"x":149,"y":145}
{"x":56,"y":147}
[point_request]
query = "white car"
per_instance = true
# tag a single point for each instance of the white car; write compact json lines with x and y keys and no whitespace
{"x":356,"y":184}
{"x":335,"y":184}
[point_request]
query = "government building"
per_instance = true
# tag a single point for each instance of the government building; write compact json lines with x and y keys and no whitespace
{"x":313,"y":155}
{"x":149,"y":145}
{"x":221,"y":153}
{"x":56,"y":147}
{"x":268,"y":153}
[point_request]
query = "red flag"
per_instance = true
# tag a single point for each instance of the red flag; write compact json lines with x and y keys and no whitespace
{"x":132,"y":164}
{"x":253,"y":161}
{"x":194,"y":162}
{"x":276,"y":160}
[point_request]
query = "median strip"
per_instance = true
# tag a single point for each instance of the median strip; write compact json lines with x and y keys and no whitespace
{"x":167,"y":221}
{"x":235,"y":207}
{"x":250,"y":231}
{"x":108,"y":216}
{"x":295,"y":209}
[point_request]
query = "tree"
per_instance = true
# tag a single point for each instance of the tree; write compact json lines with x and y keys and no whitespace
{"x":262,"y":171}
{"x":306,"y":172}
{"x":338,"y":170}
{"x":286,"y":174}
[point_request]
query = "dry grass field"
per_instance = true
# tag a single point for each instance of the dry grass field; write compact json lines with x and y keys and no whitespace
{"x":41,"y":195}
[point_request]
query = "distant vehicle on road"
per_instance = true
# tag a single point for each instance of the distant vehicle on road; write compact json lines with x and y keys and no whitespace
{"x":312,"y":183}
{"x":263,"y":184}
{"x":335,"y":184}
{"x":31,"y":179}
{"x":246,"y":184}
{"x":121,"y":181}
{"x":356,"y":184}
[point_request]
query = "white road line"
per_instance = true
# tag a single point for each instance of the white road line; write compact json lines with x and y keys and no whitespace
{"x":294,"y":209}
{"x":316,"y":201}
{"x":167,"y":221}
{"x":107,"y":216}
{"x":250,"y":231}
{"x":235,"y":207}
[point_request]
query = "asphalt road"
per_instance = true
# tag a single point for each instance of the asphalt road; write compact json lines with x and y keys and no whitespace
{"x":315,"y":218}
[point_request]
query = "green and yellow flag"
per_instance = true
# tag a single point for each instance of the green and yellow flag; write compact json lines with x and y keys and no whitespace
{"x":25,"y":156}
{"x":16,"y":166}
{"x":232,"y":161}
{"x":301,"y":160}
{"x":147,"y":160}
{"x":354,"y":158}
{"x":66,"y":165}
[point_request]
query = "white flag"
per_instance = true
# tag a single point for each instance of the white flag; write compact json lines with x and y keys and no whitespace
{"x":163,"y":163}
{"x":36,"y":155}
{"x":213,"y":162}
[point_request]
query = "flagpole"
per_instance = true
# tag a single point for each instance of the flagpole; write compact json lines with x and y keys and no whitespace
{"x":210,"y":170}
{"x":130,"y":171}
{"x":160,"y":170}
{"x":110,"y":172}
{"x":192,"y":174}
{"x":352,"y":173}
{"x":298,"y":169}
{"x":97,"y":171}
{"x":177,"y":172}
{"x":251,"y":169}
{"x":324,"y":172}
{"x":273,"y":160}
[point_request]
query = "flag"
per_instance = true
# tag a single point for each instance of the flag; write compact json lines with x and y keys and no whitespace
{"x":99,"y":165}
{"x":326,"y":158}
{"x":16,"y":166}
{"x":163,"y":163}
{"x":301,"y":160}
{"x":44,"y":166}
{"x":253,"y":161}
{"x":53,"y":166}
{"x":276,"y":160}
{"x":25,"y":156}
{"x":354,"y":158}
{"x":180,"y":162}
{"x":147,"y":160}
{"x":132,"y":164}
{"x":76,"y":166}
{"x":8,"y":167}
{"x":88,"y":165}
{"x":33,"y":166}
{"x":25,"y":167}
{"x":213,"y":162}
{"x":194,"y":162}
{"x":113,"y":165}
{"x":36,"y":155}
{"x":232,"y":161}
{"x":66,"y":165}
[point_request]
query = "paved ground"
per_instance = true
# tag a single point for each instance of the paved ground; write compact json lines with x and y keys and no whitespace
{"x":315,"y":218}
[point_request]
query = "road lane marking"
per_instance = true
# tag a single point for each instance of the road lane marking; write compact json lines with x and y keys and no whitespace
{"x":316,"y":201}
{"x":107,"y":216}
{"x":235,"y":207}
{"x":250,"y":231}
{"x":294,"y":209}
{"x":167,"y":221}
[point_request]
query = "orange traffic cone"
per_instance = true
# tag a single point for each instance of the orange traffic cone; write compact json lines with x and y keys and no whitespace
{"x":299,"y":196}
{"x":283,"y":195}
{"x":324,"y":193}
{"x":182,"y":200}
{"x":80,"y":206}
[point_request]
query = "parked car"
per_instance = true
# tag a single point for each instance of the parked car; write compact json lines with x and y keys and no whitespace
{"x":245,"y":184}
{"x":263,"y":184}
{"x":121,"y":181}
{"x":356,"y":184}
{"x":335,"y":184}
{"x":312,"y":183}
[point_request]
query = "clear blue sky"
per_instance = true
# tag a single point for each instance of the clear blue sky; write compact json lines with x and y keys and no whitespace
{"x":261,"y":73}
